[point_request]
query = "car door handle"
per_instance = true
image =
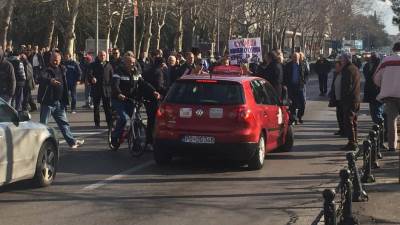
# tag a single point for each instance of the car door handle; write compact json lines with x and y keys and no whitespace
{"x":265,"y":114}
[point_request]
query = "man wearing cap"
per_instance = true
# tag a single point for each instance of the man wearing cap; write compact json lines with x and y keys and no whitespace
{"x":388,"y":79}
{"x":350,"y":100}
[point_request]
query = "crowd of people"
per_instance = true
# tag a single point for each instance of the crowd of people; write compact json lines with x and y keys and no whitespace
{"x":111,"y":82}
{"x":380,"y":92}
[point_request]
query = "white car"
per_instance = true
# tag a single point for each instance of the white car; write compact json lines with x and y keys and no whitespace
{"x":28,"y":150}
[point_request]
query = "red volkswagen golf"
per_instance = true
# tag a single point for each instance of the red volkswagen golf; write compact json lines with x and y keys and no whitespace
{"x":232,"y":117}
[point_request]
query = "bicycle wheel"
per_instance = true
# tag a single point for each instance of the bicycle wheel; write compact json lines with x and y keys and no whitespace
{"x":137,"y":139}
{"x":109,"y":135}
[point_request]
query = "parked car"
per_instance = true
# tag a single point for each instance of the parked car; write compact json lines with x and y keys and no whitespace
{"x":232,"y":117}
{"x":28,"y":150}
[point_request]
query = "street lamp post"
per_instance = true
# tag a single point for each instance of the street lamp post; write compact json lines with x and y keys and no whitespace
{"x":218,"y":47}
{"x":97,"y":27}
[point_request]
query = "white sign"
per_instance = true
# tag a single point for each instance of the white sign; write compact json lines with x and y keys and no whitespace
{"x":245,"y":50}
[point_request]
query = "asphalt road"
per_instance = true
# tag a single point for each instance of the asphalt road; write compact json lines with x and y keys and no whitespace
{"x":96,"y":186}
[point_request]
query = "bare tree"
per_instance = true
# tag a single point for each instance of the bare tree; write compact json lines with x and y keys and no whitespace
{"x":5,"y":18}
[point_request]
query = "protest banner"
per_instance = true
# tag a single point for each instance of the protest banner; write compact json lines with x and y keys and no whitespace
{"x":245,"y":50}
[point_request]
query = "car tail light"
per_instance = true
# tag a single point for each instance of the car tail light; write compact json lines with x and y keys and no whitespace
{"x":244,"y":114}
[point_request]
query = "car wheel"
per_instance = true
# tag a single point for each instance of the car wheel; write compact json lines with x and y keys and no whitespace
{"x":289,"y":141}
{"x":162,"y":157}
{"x":257,"y":161}
{"x":46,"y":166}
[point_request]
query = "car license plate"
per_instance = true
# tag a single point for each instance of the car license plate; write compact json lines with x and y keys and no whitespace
{"x":216,"y":113}
{"x":185,"y":113}
{"x":198,"y":140}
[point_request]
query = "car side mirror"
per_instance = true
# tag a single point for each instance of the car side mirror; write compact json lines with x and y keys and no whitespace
{"x":24,"y":116}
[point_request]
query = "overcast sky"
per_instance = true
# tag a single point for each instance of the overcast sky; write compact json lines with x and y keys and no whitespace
{"x":386,"y":13}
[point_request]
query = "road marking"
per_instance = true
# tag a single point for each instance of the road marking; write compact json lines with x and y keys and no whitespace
{"x":118,"y":176}
{"x":84,"y":134}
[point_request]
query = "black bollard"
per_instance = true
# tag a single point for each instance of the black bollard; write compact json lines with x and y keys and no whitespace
{"x":329,"y":207}
{"x":359,"y":194}
{"x":373,"y":136}
{"x":382,"y":135}
{"x":379,"y":140}
{"x":367,"y":175}
{"x":346,"y":188}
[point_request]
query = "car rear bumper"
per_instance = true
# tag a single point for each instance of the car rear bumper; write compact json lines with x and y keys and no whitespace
{"x":231,"y":151}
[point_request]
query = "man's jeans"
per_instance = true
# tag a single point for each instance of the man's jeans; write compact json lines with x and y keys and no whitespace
{"x":88,"y":97}
{"x":57,"y":110}
{"x":323,"y":83}
{"x":18,"y":98}
{"x":124,"y":110}
{"x":392,"y":111}
{"x":72,"y":91}
{"x":376,"y":111}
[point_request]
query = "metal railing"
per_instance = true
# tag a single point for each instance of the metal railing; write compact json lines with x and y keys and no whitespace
{"x":352,"y":178}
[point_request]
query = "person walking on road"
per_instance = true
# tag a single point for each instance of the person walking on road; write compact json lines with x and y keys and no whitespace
{"x":335,"y":97}
{"x":371,"y":90}
{"x":350,"y":100}
{"x":20,"y":78}
{"x":101,"y":77}
{"x":74,"y":74}
{"x":322,"y":68}
{"x":37,"y":62}
{"x":116,"y":59}
{"x":295,"y":79}
{"x":28,"y":104}
{"x":155,"y":77}
{"x":7,"y":77}
{"x":273,"y":73}
{"x":53,"y":97}
{"x":86,"y":70}
{"x":388,"y":79}
{"x":173,"y":70}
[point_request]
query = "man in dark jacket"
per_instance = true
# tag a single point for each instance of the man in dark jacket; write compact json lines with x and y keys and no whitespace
{"x":173,"y":72}
{"x":28,"y":104}
{"x":154,"y":77}
{"x":128,"y":83}
{"x":350,"y":100}
{"x":322,"y":68}
{"x":53,"y":97}
{"x":37,"y":62}
{"x":371,"y":91}
{"x":188,"y":66}
{"x":74,"y":74}
{"x":274,"y":72}
{"x":7,"y":77}
{"x":295,"y":79}
{"x":20,"y":78}
{"x":116,"y":60}
{"x":85,"y":65}
{"x":100,"y":77}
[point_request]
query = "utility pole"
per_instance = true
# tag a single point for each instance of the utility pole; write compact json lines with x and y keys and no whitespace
{"x":135,"y":14}
{"x":97,"y":27}
{"x":218,"y":47}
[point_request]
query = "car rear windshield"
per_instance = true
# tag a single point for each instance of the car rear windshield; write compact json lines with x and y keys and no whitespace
{"x":206,"y":92}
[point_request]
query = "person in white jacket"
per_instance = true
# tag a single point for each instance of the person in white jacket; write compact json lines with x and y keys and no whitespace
{"x":387,"y":77}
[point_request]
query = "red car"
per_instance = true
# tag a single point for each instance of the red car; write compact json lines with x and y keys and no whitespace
{"x":233,"y":117}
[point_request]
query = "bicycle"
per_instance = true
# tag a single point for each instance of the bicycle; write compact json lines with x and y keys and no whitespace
{"x":136,"y":132}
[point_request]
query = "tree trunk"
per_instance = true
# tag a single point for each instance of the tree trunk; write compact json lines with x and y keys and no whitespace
{"x":70,"y":29}
{"x":5,"y":22}
{"x":120,"y":20}
{"x":109,"y":22}
{"x":52,"y":23}
{"x":147,"y":33}
{"x":179,"y":31}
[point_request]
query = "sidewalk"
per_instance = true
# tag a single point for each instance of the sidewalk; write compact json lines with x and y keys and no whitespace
{"x":383,"y":206}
